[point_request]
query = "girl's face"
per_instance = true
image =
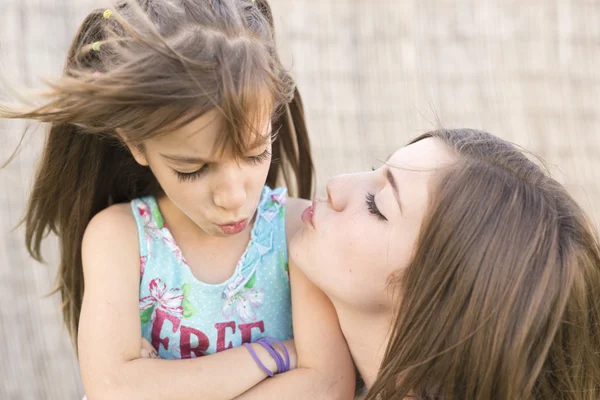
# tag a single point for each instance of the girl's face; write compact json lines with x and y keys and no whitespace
{"x":367,"y":230}
{"x":219,"y":193}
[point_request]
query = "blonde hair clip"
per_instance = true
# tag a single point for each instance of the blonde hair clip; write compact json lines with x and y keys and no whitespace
{"x":96,"y":46}
{"x":108,"y":13}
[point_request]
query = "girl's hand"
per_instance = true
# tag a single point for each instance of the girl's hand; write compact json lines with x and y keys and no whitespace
{"x":147,"y":351}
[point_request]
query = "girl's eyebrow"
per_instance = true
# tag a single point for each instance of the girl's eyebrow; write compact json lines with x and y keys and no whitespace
{"x":197,"y":160}
{"x":394,"y":185}
{"x":184,"y":159}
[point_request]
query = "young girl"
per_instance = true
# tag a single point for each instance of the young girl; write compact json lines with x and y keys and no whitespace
{"x":161,"y":141}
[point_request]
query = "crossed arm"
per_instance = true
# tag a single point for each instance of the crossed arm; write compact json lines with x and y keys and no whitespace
{"x":325,"y":369}
{"x":110,"y":337}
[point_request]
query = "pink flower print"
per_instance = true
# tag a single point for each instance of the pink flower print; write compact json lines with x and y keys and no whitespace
{"x":167,"y":300}
{"x":155,"y":227}
{"x":143,"y":261}
{"x":274,"y":207}
{"x":146,"y":213}
{"x":151,"y":229}
{"x":172,"y":246}
{"x":279,"y":199}
{"x":233,"y":287}
{"x":244,"y":303}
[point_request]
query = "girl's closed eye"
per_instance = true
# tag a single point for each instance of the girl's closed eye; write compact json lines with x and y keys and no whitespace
{"x":372,"y":207}
{"x":191,"y":176}
{"x":260,"y":158}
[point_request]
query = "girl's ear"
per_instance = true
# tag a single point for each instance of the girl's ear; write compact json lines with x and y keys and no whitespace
{"x":135,"y":149}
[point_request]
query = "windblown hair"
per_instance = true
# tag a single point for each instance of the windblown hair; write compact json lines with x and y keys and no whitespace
{"x":502,"y":298}
{"x":146,"y":67}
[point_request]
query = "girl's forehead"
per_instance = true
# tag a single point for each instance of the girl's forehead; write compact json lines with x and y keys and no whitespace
{"x":204,"y":128}
{"x":425,"y":155}
{"x":204,"y":136}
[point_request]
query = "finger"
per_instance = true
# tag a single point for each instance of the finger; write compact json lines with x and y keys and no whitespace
{"x":145,"y":353}
{"x":146,"y":344}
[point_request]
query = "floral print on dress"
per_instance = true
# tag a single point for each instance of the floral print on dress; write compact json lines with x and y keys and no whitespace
{"x":275,"y":207}
{"x":169,"y":300}
{"x":155,"y":228}
{"x":143,"y":261}
{"x":171,"y":245}
{"x":279,"y":198}
{"x":243,"y":302}
{"x":151,"y":228}
{"x":284,"y":264}
{"x":188,"y":308}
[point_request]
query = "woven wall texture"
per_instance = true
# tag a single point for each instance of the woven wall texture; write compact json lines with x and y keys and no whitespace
{"x":373,"y":74}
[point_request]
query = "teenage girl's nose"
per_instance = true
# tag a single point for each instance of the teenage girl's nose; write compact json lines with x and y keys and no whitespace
{"x":338,"y":191}
{"x":229,"y":193}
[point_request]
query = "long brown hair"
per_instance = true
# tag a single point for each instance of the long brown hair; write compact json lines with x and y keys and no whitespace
{"x":144,"y":67}
{"x":502,"y":297}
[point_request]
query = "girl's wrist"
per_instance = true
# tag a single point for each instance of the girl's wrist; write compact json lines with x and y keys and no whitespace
{"x":278,"y":347}
{"x":264,"y":356}
{"x":270,"y":354}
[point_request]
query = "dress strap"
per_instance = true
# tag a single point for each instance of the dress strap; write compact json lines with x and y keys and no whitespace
{"x":268,"y":225}
{"x":145,"y":210}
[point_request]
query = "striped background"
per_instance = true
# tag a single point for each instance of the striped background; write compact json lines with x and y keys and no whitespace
{"x":373,"y":73}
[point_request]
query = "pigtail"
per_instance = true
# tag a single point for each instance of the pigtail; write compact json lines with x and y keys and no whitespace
{"x":80,"y":174}
{"x":291,"y":151}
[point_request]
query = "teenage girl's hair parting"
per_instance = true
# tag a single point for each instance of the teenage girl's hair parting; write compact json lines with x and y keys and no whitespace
{"x":151,"y":66}
{"x":502,"y":297}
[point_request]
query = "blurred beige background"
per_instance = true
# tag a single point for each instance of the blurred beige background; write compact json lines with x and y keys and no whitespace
{"x":373,"y":73}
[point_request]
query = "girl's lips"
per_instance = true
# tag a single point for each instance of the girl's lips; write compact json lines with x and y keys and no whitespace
{"x":308,"y":214}
{"x":236,"y":227}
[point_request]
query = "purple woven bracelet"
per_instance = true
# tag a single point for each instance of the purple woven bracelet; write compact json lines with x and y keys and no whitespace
{"x":274,"y":354}
{"x":285,"y":365}
{"x":257,"y":360}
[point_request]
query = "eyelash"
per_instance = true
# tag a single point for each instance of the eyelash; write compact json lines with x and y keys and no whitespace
{"x":372,"y":207}
{"x":192,"y":176}
{"x":259,"y":159}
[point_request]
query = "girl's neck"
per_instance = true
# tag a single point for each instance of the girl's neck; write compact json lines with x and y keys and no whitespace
{"x":366,"y":333}
{"x":211,"y":260}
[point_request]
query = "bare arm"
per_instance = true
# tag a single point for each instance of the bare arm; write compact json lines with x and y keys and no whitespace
{"x":110,"y":331}
{"x":325,"y":368}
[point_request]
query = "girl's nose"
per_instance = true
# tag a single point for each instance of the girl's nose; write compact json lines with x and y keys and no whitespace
{"x":230,"y":193}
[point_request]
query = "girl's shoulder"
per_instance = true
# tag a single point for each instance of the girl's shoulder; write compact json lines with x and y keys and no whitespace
{"x":113,"y":227}
{"x":117,"y":215}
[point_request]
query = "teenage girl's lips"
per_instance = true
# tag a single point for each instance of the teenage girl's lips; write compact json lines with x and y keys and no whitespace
{"x":308,"y":214}
{"x":235,"y":227}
